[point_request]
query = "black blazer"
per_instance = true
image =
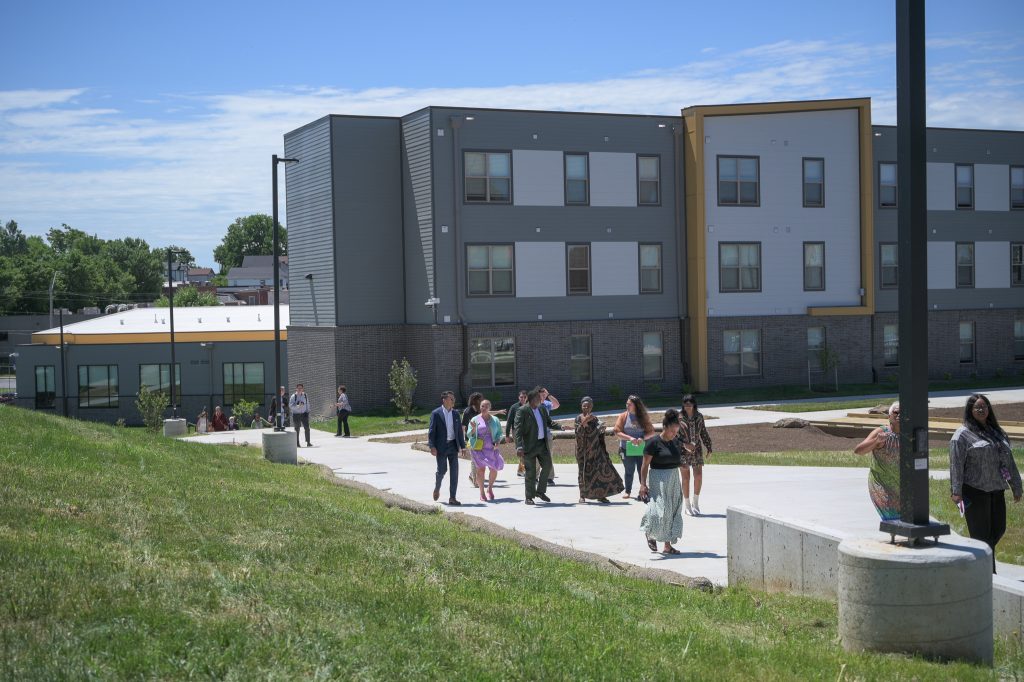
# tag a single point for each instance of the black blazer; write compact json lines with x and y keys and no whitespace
{"x":438,"y":434}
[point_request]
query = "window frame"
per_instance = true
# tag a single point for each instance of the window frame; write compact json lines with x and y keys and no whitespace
{"x":956,"y":264}
{"x":740,"y":353}
{"x":644,"y":355}
{"x":568,"y":269}
{"x":739,"y":279}
{"x":589,"y":357}
{"x":718,"y":178}
{"x":895,"y":362}
{"x":882,"y":266}
{"x":657,"y":157}
{"x":824,"y":283}
{"x":803,"y":172}
{"x":1020,"y":206}
{"x":973,"y":342}
{"x":816,"y":351}
{"x":51,"y":404}
{"x":566,"y":179}
{"x":641,"y":268}
{"x":1019,"y":246}
{"x":244,"y":395}
{"x":487,"y":178}
{"x":956,"y":187}
{"x":160,"y":366}
{"x":491,"y":342}
{"x":895,"y":185}
{"x":490,"y":270}
{"x":88,"y":382}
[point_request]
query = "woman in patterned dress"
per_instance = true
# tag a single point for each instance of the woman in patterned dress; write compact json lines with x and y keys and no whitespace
{"x":697,"y":432}
{"x":884,"y":479}
{"x":660,"y":482}
{"x":483,"y":434}
{"x":597,"y":475}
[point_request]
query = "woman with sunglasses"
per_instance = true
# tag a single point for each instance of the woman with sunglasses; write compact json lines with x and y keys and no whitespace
{"x":981,"y":468}
{"x":884,"y":479}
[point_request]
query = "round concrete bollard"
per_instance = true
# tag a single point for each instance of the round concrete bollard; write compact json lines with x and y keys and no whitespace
{"x":933,"y":600}
{"x":175,"y":427}
{"x":279,"y":447}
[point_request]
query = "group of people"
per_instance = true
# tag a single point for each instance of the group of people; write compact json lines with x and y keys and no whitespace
{"x":662,"y":462}
{"x":981,"y":468}
{"x":219,"y":421}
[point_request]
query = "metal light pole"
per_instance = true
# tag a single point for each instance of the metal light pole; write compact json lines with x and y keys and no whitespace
{"x":170,"y":297}
{"x":63,"y":371}
{"x":278,"y":421}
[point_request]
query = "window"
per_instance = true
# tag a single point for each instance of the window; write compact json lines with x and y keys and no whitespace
{"x":739,"y":266}
{"x":577,"y":179}
{"x":492,"y":362}
{"x":46,"y":393}
{"x":158,"y":378}
{"x":97,"y":386}
{"x":488,"y":177}
{"x":489,"y":270}
{"x":653,"y":356}
{"x":964,"y":186}
{"x":741,"y":352}
{"x":814,"y":266}
{"x":243,"y":381}
{"x":1018,"y":339}
{"x":1017,"y":264}
{"x":738,"y":183}
{"x":889,"y":265}
{"x":650,"y":268}
{"x":648,"y":178}
{"x":965,"y":265}
{"x":891,"y":344}
{"x":814,"y":183}
{"x":887,"y":185}
{"x":1017,"y":187}
{"x":578,"y":257}
{"x":966,"y":342}
{"x":580,"y":365}
{"x":815,"y":344}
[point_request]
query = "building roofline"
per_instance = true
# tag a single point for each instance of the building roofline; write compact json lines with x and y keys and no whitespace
{"x":785,"y":106}
{"x":976,"y":130}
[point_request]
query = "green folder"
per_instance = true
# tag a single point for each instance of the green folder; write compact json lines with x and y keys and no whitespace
{"x":635,"y":450}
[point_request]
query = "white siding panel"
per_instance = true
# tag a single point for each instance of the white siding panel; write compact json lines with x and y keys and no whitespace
{"x":540,"y":269}
{"x":614,"y":269}
{"x":538,"y":178}
{"x":941,"y":265}
{"x":991,"y":187}
{"x":612,"y":179}
{"x":781,"y":224}
{"x":992,"y":263}
{"x":941,"y":190}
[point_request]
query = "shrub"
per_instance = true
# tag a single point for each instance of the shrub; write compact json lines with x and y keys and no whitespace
{"x":402,"y":380}
{"x":151,"y":405}
{"x":243,"y":411}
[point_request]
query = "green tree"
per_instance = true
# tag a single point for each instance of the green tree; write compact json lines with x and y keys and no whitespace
{"x":402,"y":380}
{"x":186,"y":297}
{"x":151,"y":405}
{"x":252,"y":235}
{"x":12,"y":240}
{"x":139,"y":261}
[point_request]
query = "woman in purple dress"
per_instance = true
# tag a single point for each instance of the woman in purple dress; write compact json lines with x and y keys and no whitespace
{"x":483,"y":434}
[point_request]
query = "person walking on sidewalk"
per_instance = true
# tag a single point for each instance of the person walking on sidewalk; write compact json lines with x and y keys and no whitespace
{"x":510,"y":423}
{"x":551,"y":403}
{"x":279,"y":409}
{"x":597,"y":475}
{"x":633,"y":428}
{"x":298,"y":405}
{"x":884,"y":477}
{"x":660,"y":485}
{"x":483,"y":436}
{"x":344,"y":410}
{"x":697,"y":435}
{"x":533,"y":423}
{"x":446,"y":441}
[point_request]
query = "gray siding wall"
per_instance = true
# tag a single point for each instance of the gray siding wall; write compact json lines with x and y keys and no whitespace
{"x":367,"y":175}
{"x":515,"y":130}
{"x":418,"y":197}
{"x":955,"y":146}
{"x":310,"y":224}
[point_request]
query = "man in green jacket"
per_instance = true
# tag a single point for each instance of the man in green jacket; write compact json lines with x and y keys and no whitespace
{"x":533,"y":424}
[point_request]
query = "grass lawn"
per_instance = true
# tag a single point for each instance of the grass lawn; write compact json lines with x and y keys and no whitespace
{"x":819,"y":407}
{"x":1011,"y":548}
{"x":377,"y":421}
{"x":126,"y":555}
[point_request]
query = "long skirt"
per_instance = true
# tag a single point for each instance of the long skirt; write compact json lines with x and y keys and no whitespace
{"x":663,"y":520}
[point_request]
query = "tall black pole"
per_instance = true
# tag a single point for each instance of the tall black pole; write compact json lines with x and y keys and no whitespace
{"x":63,"y":371}
{"x":278,"y":422}
{"x":170,"y":297}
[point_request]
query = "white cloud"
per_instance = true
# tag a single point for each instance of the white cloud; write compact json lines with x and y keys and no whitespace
{"x":184,"y":178}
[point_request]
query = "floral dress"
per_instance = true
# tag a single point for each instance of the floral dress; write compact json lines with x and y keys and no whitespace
{"x":597,"y":475}
{"x":884,"y":478}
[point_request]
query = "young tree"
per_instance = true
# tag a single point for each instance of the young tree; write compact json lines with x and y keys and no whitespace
{"x":252,"y":235}
{"x":151,"y":405}
{"x":402,"y":380}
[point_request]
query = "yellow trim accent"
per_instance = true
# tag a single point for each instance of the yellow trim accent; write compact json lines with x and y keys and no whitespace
{"x":696,"y":223}
{"x":153,"y":337}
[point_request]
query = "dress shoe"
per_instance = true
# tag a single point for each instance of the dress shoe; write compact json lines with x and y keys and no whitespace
{"x":437,"y":494}
{"x":544,"y":497}
{"x":454,"y":503}
{"x":529,"y":501}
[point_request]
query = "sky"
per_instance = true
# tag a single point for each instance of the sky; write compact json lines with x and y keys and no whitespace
{"x":158,"y":120}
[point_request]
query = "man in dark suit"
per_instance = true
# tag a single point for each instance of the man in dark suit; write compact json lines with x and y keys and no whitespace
{"x":510,"y":423}
{"x":446,"y":441}
{"x":533,"y":423}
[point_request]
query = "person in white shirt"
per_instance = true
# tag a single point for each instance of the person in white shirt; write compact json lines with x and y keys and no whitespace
{"x":447,"y":440}
{"x":298,"y":405}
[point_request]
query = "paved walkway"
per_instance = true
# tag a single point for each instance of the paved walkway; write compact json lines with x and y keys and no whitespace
{"x":833,"y":497}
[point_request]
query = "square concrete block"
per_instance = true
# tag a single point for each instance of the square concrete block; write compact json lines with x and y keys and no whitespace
{"x":280,"y":447}
{"x":820,"y":565}
{"x":1007,"y":599}
{"x":744,"y":530}
{"x":783,"y":557}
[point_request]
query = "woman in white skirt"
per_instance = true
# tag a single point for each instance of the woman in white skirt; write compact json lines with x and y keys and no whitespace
{"x":661,"y":483}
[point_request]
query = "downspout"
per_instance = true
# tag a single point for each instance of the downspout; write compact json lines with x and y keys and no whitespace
{"x":456,"y":123}
{"x":677,"y":176}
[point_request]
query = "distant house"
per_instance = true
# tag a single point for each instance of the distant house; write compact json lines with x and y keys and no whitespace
{"x":257,"y":271}
{"x":200,"y":275}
